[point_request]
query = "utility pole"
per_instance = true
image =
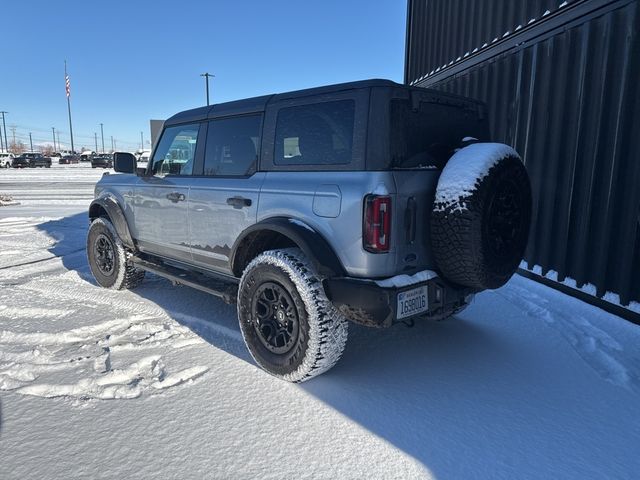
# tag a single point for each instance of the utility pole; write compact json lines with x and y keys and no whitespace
{"x":30,"y":141}
{"x":68,"y":91}
{"x":95,"y":137}
{"x":112,"y":147}
{"x":58,"y":135}
{"x":141,"y":142}
{"x":206,"y":76}
{"x":13,"y":133}
{"x":102,"y":135}
{"x":4,"y":127}
{"x":54,"y":139}
{"x":115,"y":145}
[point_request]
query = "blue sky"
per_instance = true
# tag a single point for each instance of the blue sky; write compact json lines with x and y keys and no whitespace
{"x":130,"y":61}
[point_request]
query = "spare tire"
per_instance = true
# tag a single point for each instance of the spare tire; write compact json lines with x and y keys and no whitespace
{"x":481,"y":216}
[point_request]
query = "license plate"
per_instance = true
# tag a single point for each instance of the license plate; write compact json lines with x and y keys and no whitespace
{"x":412,"y":302}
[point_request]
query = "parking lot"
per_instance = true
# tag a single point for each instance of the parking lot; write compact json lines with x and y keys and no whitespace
{"x":525,"y":383}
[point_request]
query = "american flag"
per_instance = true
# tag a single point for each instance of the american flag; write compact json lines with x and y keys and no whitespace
{"x":67,"y":85}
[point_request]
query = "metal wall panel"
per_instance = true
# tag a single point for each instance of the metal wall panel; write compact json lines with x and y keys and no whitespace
{"x":440,"y":31}
{"x":568,"y":99}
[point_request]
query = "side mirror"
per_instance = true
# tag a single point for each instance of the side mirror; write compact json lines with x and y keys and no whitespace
{"x":124,"y":162}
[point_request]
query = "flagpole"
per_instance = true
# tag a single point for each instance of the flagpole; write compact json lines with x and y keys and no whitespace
{"x":68,"y":105}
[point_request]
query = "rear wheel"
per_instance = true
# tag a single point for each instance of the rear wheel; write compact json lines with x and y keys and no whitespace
{"x":288,"y":324}
{"x":108,"y":259}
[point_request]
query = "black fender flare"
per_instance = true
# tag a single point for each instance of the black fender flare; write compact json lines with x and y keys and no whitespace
{"x":312,"y":243}
{"x":110,"y":205}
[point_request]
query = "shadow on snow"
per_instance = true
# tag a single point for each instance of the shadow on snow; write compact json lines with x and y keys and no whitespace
{"x":455,"y":395}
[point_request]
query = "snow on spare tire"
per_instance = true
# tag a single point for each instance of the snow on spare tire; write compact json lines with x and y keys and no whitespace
{"x":481,"y":215}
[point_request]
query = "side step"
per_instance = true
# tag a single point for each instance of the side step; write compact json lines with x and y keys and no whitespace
{"x":222,"y":287}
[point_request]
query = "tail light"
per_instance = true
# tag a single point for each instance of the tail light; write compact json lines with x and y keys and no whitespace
{"x":377,"y":223}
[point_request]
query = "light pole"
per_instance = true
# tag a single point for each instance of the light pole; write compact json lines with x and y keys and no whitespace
{"x":54,"y":139}
{"x":102,"y":135}
{"x":95,"y":137}
{"x":112,"y":147}
{"x":206,"y":76}
{"x":141,"y":142}
{"x":30,"y":141}
{"x":58,"y":135}
{"x":4,"y":127}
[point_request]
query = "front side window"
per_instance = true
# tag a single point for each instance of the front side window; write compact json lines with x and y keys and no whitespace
{"x":176,"y":151}
{"x":316,"y":134}
{"x":232,"y":146}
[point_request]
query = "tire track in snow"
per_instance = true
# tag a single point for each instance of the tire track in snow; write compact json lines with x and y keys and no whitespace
{"x":123,"y":383}
{"x":79,"y":362}
{"x":85,"y":352}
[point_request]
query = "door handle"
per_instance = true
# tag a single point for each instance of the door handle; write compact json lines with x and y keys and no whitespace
{"x":239,"y":202}
{"x":176,"y":197}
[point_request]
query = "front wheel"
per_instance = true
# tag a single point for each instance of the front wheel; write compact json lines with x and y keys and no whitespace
{"x":289,"y":325}
{"x":108,"y":259}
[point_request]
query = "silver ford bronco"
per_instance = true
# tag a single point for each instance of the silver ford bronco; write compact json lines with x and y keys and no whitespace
{"x":369,"y":201}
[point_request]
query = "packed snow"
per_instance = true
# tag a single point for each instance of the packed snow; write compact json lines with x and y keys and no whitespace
{"x":156,"y":382}
{"x":400,"y":281}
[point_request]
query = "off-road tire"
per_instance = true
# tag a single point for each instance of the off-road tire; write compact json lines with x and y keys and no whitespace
{"x":123,"y":275}
{"x":466,"y":248}
{"x":321,"y":332}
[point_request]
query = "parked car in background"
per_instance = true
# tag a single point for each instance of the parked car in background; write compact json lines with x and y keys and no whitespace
{"x":143,"y":157}
{"x":40,"y":161}
{"x":20,"y":162}
{"x":31,"y":160}
{"x":102,"y":161}
{"x":86,"y":156}
{"x":5,"y":159}
{"x":68,"y":159}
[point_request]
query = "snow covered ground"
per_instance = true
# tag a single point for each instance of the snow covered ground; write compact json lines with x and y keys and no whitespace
{"x":156,"y":382}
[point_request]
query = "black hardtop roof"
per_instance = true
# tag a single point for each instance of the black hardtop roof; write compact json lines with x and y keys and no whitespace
{"x":256,"y":104}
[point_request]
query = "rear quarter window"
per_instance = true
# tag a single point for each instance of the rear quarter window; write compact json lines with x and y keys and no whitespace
{"x":315,"y":134}
{"x":429,"y":135}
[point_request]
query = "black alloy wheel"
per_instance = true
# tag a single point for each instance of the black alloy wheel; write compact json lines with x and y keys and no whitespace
{"x":104,"y":253}
{"x":276,"y":318}
{"x":504,"y":224}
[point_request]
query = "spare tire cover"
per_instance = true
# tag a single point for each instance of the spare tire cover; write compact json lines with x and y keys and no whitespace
{"x":481,"y":216}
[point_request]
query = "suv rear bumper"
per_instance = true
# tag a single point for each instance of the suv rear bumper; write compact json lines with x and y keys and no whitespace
{"x":367,"y":303}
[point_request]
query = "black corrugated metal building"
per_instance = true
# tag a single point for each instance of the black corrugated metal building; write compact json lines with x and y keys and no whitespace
{"x":562,"y":82}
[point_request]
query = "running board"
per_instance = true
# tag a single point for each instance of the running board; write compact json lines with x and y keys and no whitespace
{"x":221,"y":287}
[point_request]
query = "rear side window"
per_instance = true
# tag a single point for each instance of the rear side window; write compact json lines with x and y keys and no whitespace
{"x":428,"y":136}
{"x":316,"y":134}
{"x":176,"y":151}
{"x":232,"y":146}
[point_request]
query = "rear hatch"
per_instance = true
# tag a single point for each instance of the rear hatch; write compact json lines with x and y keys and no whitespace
{"x":424,"y":130}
